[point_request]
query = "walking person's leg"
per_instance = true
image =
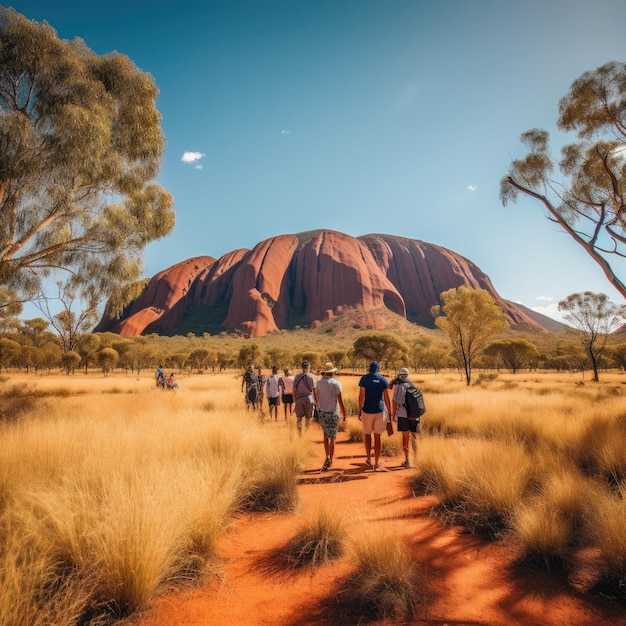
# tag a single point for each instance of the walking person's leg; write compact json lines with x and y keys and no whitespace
{"x":377,"y":448}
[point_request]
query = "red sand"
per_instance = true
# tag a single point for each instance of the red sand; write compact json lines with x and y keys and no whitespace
{"x":470,"y":581}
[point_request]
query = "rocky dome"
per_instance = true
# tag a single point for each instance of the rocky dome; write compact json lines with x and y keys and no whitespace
{"x":303,"y":279}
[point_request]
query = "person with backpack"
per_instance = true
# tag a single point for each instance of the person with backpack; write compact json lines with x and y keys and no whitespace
{"x":305,"y":395}
{"x":407,"y":409}
{"x":272,"y":392}
{"x":373,"y":399}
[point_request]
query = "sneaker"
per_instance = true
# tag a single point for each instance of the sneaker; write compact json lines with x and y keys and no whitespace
{"x":377,"y":468}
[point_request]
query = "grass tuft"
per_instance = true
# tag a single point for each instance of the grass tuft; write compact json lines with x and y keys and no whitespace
{"x":317,"y":540}
{"x":386,"y":583}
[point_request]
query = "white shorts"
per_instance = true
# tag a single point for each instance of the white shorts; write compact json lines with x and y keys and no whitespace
{"x":373,"y":423}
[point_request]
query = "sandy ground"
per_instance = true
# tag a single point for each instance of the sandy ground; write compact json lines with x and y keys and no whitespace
{"x":469,"y":581}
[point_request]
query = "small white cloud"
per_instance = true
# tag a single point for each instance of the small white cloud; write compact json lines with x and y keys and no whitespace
{"x":198,"y":167}
{"x":191,"y":157}
{"x":285,"y":132}
{"x":472,"y":187}
{"x":544,"y":298}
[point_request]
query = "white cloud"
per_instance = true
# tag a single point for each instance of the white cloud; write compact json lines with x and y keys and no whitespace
{"x":192,"y":157}
{"x":285,"y":132}
{"x":198,"y":167}
{"x":550,"y":310}
{"x":544,"y":298}
{"x":472,"y":187}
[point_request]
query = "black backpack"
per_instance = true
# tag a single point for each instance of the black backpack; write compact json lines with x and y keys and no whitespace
{"x":413,"y":401}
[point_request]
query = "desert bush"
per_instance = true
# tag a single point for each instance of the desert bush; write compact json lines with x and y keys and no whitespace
{"x":106,"y":501}
{"x":354,"y":429}
{"x":391,"y":446}
{"x":386,"y":583}
{"x":550,"y":526}
{"x":478,"y":482}
{"x":270,"y":481}
{"x":607,"y":524}
{"x":317,"y":540}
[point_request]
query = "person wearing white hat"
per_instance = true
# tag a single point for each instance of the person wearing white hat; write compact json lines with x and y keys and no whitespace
{"x":408,"y":426}
{"x":330,"y":404}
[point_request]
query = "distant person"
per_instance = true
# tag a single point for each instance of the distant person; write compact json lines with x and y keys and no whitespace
{"x":171,"y":382}
{"x":305,"y":395}
{"x":409,"y":426}
{"x":272,"y":391}
{"x":250,"y":383}
{"x":373,"y":400}
{"x":285,"y":383}
{"x":260,"y":388}
{"x":330,"y":404}
{"x":159,"y":377}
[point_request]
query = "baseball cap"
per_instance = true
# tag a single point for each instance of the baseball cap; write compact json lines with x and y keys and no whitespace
{"x":374,"y":367}
{"x":403,"y":371}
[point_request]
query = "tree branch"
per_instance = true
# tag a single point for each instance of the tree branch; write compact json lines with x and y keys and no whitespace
{"x":589,"y":248}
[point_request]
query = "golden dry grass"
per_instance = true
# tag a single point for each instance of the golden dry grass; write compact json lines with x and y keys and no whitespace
{"x":113,"y":495}
{"x":112,"y":491}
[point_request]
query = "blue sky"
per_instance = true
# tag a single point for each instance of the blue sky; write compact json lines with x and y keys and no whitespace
{"x":363,"y":116}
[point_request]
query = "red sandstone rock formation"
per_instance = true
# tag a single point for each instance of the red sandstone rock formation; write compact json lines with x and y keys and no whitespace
{"x":305,"y":278}
{"x":163,"y":296}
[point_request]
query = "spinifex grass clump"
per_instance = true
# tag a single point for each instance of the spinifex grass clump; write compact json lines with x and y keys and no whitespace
{"x":607,"y":524}
{"x":317,"y":540}
{"x":109,"y":500}
{"x":354,"y":429}
{"x":550,"y":526}
{"x":386,"y":583}
{"x":478,"y":482}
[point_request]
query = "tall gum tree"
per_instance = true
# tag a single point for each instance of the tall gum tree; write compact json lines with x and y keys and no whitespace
{"x":592,"y":317}
{"x":588,"y":201}
{"x":80,"y":146}
{"x":469,"y":317}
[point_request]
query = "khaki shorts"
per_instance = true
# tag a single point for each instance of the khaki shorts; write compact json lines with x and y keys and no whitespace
{"x":304,"y":408}
{"x":373,"y":423}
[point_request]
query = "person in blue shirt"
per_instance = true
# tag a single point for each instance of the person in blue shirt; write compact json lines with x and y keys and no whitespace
{"x":373,"y":400}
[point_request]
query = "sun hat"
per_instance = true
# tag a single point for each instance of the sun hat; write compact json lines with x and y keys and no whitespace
{"x":403,"y":371}
{"x":328,"y":368}
{"x":374,"y":367}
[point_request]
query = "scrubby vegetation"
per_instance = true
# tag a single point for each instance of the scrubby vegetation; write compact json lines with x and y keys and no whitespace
{"x":540,"y":465}
{"x":112,"y":492}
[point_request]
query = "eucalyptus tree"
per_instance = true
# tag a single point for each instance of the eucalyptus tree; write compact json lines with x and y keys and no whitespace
{"x":469,"y":318}
{"x":588,"y":199}
{"x":80,"y":147}
{"x":387,"y":349}
{"x":592,"y":317}
{"x":514,"y":353}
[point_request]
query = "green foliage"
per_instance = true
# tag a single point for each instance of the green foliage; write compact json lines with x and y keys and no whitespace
{"x":80,"y":145}
{"x":513,"y":353}
{"x":387,"y":349}
{"x":593,"y":316}
{"x":588,"y":199}
{"x":469,"y":317}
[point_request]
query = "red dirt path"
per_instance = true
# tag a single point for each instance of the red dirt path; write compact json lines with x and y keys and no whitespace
{"x":469,"y":581}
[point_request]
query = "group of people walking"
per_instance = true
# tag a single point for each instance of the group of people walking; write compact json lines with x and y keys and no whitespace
{"x":276,"y":388}
{"x":308,"y":396}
